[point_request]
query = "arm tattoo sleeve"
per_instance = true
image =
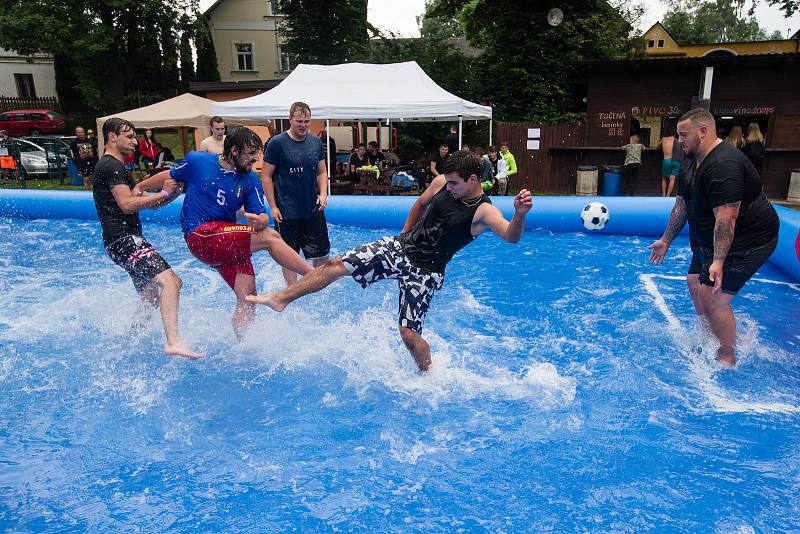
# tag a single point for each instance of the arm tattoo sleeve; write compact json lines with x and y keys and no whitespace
{"x":677,"y":218}
{"x":723,"y":231}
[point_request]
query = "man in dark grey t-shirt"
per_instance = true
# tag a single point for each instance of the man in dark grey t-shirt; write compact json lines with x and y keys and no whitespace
{"x":118,"y":199}
{"x":734,"y":227}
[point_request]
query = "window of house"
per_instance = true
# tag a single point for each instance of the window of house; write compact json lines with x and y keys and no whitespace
{"x":25,"y":87}
{"x":661,"y":43}
{"x":275,"y":7}
{"x":244,"y":56}
{"x":651,"y":43}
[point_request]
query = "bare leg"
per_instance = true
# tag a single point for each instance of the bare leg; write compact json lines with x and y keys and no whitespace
{"x":168,"y":303}
{"x":671,"y":186}
{"x":418,"y":347}
{"x":717,"y":308}
{"x":245,"y":312}
{"x":663,"y":186}
{"x":270,"y":240}
{"x":291,"y":277}
{"x":311,"y":283}
{"x":693,"y":281}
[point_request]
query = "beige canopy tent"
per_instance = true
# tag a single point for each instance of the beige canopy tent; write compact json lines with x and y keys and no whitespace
{"x":181,"y":112}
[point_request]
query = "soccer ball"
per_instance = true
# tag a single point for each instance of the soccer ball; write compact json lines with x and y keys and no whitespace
{"x":594,"y":216}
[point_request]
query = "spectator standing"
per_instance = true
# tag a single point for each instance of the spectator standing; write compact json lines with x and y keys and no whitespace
{"x":735,"y":138}
{"x":215,"y":143}
{"x":509,"y":157}
{"x":487,"y":171}
{"x":632,"y":165}
{"x":147,"y":148}
{"x":451,"y":140}
{"x":438,"y":159}
{"x":8,"y":166}
{"x":669,"y":166}
{"x":754,"y":146}
{"x":324,"y":138}
{"x":84,"y":154}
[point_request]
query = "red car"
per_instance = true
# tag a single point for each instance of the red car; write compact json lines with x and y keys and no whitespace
{"x":32,"y":122}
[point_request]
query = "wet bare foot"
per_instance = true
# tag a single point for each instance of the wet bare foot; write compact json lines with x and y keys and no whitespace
{"x":267,"y":300}
{"x":726,"y":357}
{"x":181,"y":349}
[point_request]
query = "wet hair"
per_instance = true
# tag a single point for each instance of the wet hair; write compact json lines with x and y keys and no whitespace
{"x":700,"y":117}
{"x":302,"y":107}
{"x":216,"y":119}
{"x":241,"y":138}
{"x":116,"y":126}
{"x":464,"y":163}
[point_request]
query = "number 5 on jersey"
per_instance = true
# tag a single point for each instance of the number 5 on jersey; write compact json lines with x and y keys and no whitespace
{"x":220,"y":197}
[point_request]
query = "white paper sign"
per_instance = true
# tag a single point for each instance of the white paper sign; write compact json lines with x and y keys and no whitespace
{"x":3,"y":151}
{"x":533,"y":144}
{"x":534,"y":133}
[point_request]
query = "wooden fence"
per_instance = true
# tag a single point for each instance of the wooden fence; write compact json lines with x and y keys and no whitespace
{"x":537,"y":170}
{"x":12,"y":102}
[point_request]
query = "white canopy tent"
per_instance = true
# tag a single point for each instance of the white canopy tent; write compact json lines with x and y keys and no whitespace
{"x":359,"y":92}
{"x":183,"y":111}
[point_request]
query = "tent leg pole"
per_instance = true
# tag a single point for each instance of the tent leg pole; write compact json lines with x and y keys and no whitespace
{"x":460,"y":122}
{"x":490,"y":132}
{"x":184,"y":141}
{"x":328,"y":151}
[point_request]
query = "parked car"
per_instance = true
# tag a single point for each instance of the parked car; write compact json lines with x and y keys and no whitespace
{"x":34,"y":159}
{"x":32,"y":122}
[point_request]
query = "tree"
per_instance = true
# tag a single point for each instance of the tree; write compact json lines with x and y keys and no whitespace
{"x":185,"y":54}
{"x":789,"y":7}
{"x":111,"y":44}
{"x":527,"y":66}
{"x":713,"y":21}
{"x":207,"y":66}
{"x":325,"y":32}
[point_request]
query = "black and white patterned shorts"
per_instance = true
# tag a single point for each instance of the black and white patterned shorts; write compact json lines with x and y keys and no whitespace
{"x":139,"y":258}
{"x":384,"y":259}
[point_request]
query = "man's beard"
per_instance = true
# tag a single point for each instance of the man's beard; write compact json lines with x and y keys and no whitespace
{"x":241,"y":170}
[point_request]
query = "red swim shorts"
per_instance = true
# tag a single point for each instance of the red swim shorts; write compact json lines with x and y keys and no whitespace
{"x":224,"y":246}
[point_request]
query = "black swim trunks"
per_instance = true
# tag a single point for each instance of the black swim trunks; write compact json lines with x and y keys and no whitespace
{"x":139,"y":258}
{"x":738,"y":268}
{"x":310,"y":235}
{"x":384,"y":259}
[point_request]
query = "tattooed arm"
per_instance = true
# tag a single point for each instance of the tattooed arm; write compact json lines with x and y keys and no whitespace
{"x":725,"y":215}
{"x":677,"y":218}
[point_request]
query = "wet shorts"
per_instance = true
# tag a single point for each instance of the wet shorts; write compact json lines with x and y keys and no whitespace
{"x":738,"y":268}
{"x":386,"y":259}
{"x":139,"y":258}
{"x":310,"y":235}
{"x":224,"y":246}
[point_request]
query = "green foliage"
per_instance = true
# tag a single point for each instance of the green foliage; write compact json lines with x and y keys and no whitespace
{"x":713,"y":21}
{"x":526,"y":65}
{"x":207,"y":66}
{"x":114,"y":47}
{"x":325,"y":32}
{"x":185,"y":54}
{"x":789,"y":7}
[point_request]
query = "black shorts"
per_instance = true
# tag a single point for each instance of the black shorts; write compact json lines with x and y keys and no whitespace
{"x":386,"y":258}
{"x":739,"y":266}
{"x":310,"y":235}
{"x":139,"y":258}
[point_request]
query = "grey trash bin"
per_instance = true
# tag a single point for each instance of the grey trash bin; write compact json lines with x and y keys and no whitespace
{"x":587,"y":180}
{"x":794,"y":186}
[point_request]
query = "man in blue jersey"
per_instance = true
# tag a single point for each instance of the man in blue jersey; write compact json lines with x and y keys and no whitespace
{"x":295,"y":181}
{"x":445,"y":219}
{"x":217,"y":186}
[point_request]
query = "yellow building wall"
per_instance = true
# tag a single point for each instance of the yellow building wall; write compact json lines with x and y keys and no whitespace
{"x":671,"y":48}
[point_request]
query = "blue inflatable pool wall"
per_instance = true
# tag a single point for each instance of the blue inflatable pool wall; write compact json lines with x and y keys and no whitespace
{"x":644,"y":216}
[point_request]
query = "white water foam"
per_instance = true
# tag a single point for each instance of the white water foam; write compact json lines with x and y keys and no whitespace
{"x":702,"y":369}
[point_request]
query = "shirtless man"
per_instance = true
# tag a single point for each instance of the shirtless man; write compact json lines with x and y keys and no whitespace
{"x":215,"y":143}
{"x":670,"y":165}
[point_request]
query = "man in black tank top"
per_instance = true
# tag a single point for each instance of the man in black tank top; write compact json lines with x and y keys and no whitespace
{"x":445,"y":218}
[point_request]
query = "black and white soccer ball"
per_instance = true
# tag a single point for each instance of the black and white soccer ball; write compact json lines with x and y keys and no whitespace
{"x":594,"y":216}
